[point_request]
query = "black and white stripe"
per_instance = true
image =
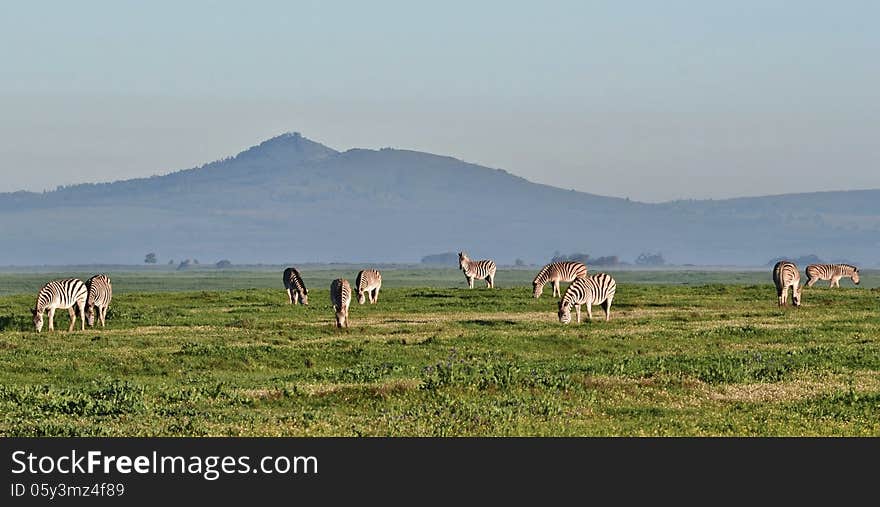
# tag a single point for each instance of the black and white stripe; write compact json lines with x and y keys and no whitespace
{"x":556,"y":272}
{"x":832,"y":272}
{"x":100,"y":292}
{"x":592,"y":290}
{"x":67,"y":294}
{"x":368,"y":283}
{"x":296,"y":288}
{"x":340,"y":296}
{"x":785,"y":275}
{"x":482,"y":269}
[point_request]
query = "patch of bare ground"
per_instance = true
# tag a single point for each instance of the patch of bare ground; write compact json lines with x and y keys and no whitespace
{"x":689,"y":391}
{"x":380,"y":389}
{"x":262,"y":394}
{"x":799,"y":389}
{"x":158,"y":330}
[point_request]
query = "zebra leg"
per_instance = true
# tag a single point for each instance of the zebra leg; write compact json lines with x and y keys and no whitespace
{"x":578,"y":308}
{"x":590,"y":311}
{"x":375,"y":295}
{"x":470,"y":280}
{"x":810,"y":282}
{"x":555,"y":288}
{"x":290,"y":295}
{"x":51,"y":319}
{"x":607,"y":307}
{"x":72,"y":313}
{"x":82,"y":315}
{"x":103,"y":315}
{"x":489,"y":282}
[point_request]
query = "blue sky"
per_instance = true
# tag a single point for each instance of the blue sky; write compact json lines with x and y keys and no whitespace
{"x":648,"y":100}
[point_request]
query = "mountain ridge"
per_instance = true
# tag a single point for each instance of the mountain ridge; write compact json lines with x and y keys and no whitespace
{"x":289,"y":198}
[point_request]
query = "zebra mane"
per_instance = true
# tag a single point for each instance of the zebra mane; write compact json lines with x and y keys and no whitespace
{"x":543,"y":274}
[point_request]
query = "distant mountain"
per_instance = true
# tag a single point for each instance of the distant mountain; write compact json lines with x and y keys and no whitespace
{"x":290,"y":199}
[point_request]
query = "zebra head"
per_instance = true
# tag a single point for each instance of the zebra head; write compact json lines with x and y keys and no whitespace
{"x":537,"y":289}
{"x":462,"y":260}
{"x":304,"y":297}
{"x":855,"y":276}
{"x":796,"y":294}
{"x":90,"y":315}
{"x":341,"y":318}
{"x":38,"y":319}
{"x":564,"y":313}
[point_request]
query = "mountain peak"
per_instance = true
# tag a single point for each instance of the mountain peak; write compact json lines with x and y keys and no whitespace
{"x":287,"y":146}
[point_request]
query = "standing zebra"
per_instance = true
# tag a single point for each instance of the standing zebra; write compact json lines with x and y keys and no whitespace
{"x":566,"y":271}
{"x":785,"y":275}
{"x":589,"y":291}
{"x":100,"y":292}
{"x":369,"y":281}
{"x":69,"y":293}
{"x":482,"y":269}
{"x":832,"y":272}
{"x":340,"y":296}
{"x":296,"y":288}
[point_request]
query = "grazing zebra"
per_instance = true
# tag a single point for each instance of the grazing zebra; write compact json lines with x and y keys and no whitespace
{"x":483,"y":269}
{"x":566,"y":271}
{"x":589,"y":291}
{"x":340,"y":296}
{"x":69,"y":293}
{"x":296,"y":288}
{"x":833,"y":272}
{"x":100,"y":292}
{"x":785,"y":275}
{"x":369,"y":281}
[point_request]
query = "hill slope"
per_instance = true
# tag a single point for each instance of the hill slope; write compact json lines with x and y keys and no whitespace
{"x":290,"y":199}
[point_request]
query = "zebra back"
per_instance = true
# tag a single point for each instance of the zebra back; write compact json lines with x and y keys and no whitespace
{"x":340,"y":294}
{"x":785,"y":274}
{"x":828,"y":271}
{"x":368,"y":279}
{"x":293,"y":280}
{"x":61,"y":294}
{"x":564,"y":271}
{"x":100,"y":291}
{"x":592,"y":290}
{"x":477,"y":269}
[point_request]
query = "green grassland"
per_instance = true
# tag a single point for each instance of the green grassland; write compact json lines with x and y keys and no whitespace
{"x":222,"y":353}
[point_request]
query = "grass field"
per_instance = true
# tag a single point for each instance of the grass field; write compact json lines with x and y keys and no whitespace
{"x":221,"y":353}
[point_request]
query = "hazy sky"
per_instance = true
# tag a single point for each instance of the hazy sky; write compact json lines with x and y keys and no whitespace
{"x":648,"y":100}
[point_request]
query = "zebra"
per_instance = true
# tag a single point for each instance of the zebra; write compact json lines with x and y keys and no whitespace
{"x":340,"y":296}
{"x":296,"y":288}
{"x":832,"y":272}
{"x":482,"y":269}
{"x":566,"y":271}
{"x":100,"y":292}
{"x":69,"y":293}
{"x":785,"y":275}
{"x":589,"y":291}
{"x":369,"y":281}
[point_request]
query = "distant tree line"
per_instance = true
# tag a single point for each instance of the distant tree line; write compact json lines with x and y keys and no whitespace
{"x":650,"y":259}
{"x":606,"y":260}
{"x":151,"y":258}
{"x":806,"y":260}
{"x":441,"y":259}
